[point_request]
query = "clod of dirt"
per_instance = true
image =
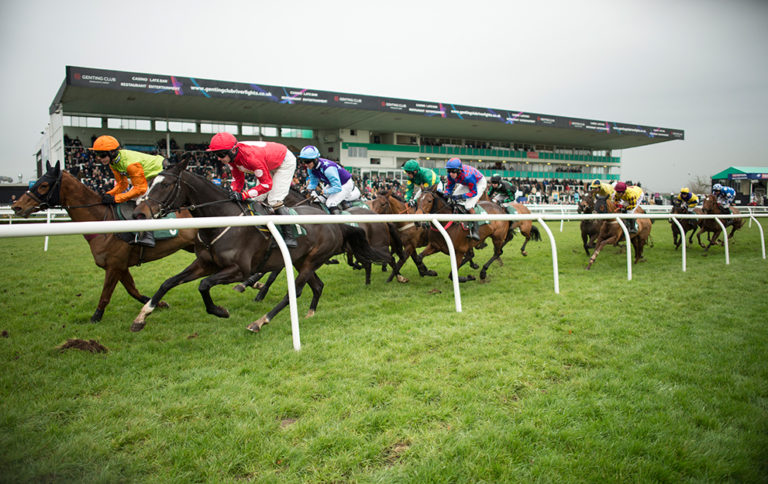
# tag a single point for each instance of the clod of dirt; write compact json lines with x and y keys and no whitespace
{"x":435,"y":291}
{"x":192,"y":336}
{"x":80,"y":344}
{"x":5,"y":334}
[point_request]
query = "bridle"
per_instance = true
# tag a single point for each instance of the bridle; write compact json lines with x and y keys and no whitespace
{"x":166,"y":205}
{"x":50,"y":199}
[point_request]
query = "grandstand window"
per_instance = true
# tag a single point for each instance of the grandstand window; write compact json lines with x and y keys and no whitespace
{"x":82,"y":121}
{"x":182,"y":127}
{"x":249,"y":130}
{"x":161,"y":126}
{"x":125,"y":123}
{"x":218,"y":128}
{"x":269,"y":131}
{"x":358,"y":152}
{"x":296,"y":133}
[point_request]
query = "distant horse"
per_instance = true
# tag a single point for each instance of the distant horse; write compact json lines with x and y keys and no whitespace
{"x":678,"y":207}
{"x":231,"y":254}
{"x":590,"y":229}
{"x":499,"y":231}
{"x":412,"y":235}
{"x":711,"y":207}
{"x":611,"y":232}
{"x":57,"y":188}
{"x":526,"y":227}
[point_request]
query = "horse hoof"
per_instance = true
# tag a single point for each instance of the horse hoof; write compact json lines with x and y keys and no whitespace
{"x":137,"y":326}
{"x":310,"y":313}
{"x":258,"y":285}
{"x":163,"y":305}
{"x":219,"y":311}
{"x":259,"y":297}
{"x":431,"y":273}
{"x":239,"y":288}
{"x":482,"y":275}
{"x":525,"y":253}
{"x":471,"y":278}
{"x":256,"y":325}
{"x":402,"y":279}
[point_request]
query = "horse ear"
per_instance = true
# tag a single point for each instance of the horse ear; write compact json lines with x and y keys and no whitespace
{"x":57,"y":168}
{"x":183,"y":164}
{"x":47,"y":165}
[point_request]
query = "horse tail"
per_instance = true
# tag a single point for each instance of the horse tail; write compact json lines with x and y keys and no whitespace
{"x":535,"y":234}
{"x":355,"y":239}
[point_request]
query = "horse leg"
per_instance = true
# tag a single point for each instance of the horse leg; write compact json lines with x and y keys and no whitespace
{"x":527,"y":238}
{"x":367,"y":267}
{"x":600,"y":245}
{"x":111,"y":276}
{"x":265,"y":288}
{"x":224,"y":276}
{"x":250,"y":282}
{"x":316,"y":285}
{"x":496,"y":254}
{"x":461,"y":259}
{"x":193,"y":271}
{"x":585,"y":242}
{"x":300,"y":281}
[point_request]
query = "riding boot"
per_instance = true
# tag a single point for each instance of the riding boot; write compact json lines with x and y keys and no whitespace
{"x":334,"y":210}
{"x":632,"y":226}
{"x":473,"y":232}
{"x":286,"y":230}
{"x":147,"y":239}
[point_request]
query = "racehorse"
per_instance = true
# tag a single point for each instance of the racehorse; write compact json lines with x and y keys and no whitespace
{"x":230,"y":254}
{"x":678,"y":207}
{"x":59,"y":188}
{"x":710,"y":206}
{"x":589,"y":228}
{"x":411,"y":234}
{"x":526,"y":227}
{"x":499,"y":230}
{"x":611,"y":232}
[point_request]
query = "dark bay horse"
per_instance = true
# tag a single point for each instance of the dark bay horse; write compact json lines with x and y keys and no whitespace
{"x":688,"y":224}
{"x":231,"y":254}
{"x":590,"y":229}
{"x":58,"y":188}
{"x":611,"y":232}
{"x":711,"y":207}
{"x":499,"y":231}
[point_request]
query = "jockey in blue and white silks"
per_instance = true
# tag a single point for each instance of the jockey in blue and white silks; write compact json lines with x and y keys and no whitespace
{"x":338,"y":184}
{"x":725,"y":196}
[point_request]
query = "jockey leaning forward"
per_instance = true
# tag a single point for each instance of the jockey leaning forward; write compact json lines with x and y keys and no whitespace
{"x":419,"y":177}
{"x":272,"y":164}
{"x":139,"y":167}
{"x":688,"y":199}
{"x":464,"y":187}
{"x":338,"y":183}
{"x":501,"y":192}
{"x":628,"y":198}
{"x":725,"y":196}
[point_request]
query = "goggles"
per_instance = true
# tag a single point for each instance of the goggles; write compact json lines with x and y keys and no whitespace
{"x":222,"y":154}
{"x":454,"y":170}
{"x":100,"y":154}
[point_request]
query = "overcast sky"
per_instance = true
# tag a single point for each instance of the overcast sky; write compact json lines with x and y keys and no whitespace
{"x":696,"y":65}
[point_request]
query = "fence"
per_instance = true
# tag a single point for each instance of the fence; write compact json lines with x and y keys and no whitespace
{"x":78,"y":228}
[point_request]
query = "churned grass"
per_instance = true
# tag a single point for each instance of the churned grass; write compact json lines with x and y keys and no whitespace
{"x":661,"y":378}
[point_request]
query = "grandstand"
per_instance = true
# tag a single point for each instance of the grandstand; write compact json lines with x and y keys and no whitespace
{"x":370,"y":135}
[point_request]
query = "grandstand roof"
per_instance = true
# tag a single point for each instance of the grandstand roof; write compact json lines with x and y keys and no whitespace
{"x":742,"y":172}
{"x":129,"y":94}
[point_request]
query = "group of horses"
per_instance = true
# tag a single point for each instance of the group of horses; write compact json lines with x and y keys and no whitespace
{"x":242,"y":255}
{"x":597,"y":233}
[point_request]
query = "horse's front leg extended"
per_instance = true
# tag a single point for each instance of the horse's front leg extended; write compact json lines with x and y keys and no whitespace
{"x":195,"y":270}
{"x":224,"y":276}
{"x":609,"y":240}
{"x":111,"y":276}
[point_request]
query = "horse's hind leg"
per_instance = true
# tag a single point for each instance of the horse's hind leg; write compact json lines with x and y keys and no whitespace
{"x":265,"y":288}
{"x":317,"y":290}
{"x":300,"y":281}
{"x":527,"y":238}
{"x":496,"y":254}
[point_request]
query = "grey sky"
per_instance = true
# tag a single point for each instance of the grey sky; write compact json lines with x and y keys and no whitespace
{"x":696,"y":65}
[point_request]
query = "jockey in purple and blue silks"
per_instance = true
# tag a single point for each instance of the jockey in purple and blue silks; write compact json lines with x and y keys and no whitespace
{"x":339,"y":186}
{"x":465,"y":186}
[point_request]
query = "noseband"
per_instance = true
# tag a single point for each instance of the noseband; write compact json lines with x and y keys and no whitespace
{"x":50,"y":199}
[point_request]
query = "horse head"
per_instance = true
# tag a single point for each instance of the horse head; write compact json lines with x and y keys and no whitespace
{"x":45,"y":193}
{"x":586,"y":204}
{"x":433,"y":202}
{"x":380,"y":204}
{"x":679,"y":207}
{"x":710,"y":204}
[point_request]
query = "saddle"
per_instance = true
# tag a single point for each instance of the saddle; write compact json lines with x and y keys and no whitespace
{"x":124,"y":211}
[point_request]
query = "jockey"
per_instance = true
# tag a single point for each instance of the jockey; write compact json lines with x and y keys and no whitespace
{"x":598,"y":189}
{"x":725,"y":196}
{"x":272,"y":164}
{"x":139,"y":167}
{"x":419,"y":177}
{"x":339,"y":186}
{"x":501,"y":191}
{"x":628,"y":198}
{"x":465,"y":187}
{"x":688,"y":199}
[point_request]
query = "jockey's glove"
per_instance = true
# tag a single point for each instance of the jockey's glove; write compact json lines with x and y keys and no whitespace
{"x":108,"y":199}
{"x":236,"y":196}
{"x":412,"y":202}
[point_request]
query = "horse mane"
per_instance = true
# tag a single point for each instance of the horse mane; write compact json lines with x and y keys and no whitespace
{"x":397,"y":197}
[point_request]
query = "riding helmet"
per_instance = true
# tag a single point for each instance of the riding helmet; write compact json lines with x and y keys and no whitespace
{"x":496,"y":179}
{"x":105,"y":143}
{"x":309,"y":152}
{"x":620,"y":187}
{"x":595,"y":184}
{"x":453,"y":164}
{"x":411,"y":165}
{"x":222,"y":142}
{"x":717,"y":187}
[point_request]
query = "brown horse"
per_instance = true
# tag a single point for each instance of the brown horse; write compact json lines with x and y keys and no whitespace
{"x":711,"y":207}
{"x":60,"y":188}
{"x":412,"y":235}
{"x":526,"y":227}
{"x":681,"y":208}
{"x":590,"y":229}
{"x":611,"y":232}
{"x":499,"y":230}
{"x":231,"y":254}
